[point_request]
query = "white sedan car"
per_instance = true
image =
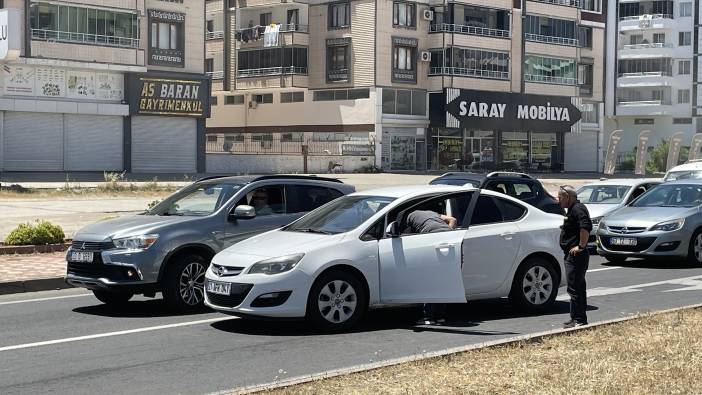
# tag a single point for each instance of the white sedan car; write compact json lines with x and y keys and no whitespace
{"x":353,"y":254}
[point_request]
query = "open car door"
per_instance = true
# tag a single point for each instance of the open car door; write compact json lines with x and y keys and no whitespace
{"x":422,"y":268}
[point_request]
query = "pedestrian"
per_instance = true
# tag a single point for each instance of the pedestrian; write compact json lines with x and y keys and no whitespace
{"x":426,"y":221}
{"x":574,"y":237}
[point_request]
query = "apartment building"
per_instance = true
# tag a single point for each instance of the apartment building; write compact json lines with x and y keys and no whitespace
{"x":407,"y":85}
{"x":108,"y":85}
{"x":653,"y":73}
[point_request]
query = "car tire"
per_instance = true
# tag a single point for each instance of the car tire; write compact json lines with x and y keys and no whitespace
{"x":694,"y":251}
{"x":184,"y":283}
{"x":535,"y":285}
{"x":328,"y":309}
{"x":113,"y":298}
{"x":618,"y":259}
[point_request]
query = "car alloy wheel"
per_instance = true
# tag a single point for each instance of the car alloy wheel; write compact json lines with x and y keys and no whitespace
{"x":537,"y":285}
{"x":337,"y":301}
{"x":192,"y":283}
{"x":698,"y":248}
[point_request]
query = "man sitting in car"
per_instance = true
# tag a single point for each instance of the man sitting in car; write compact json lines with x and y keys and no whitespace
{"x":259,"y":201}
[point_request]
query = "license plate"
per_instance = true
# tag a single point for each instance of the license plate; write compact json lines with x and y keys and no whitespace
{"x":623,"y":241}
{"x":219,"y":288}
{"x":81,"y":256}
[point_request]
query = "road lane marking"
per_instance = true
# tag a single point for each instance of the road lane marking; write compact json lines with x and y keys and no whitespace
{"x":43,"y":299}
{"x":603,"y":269}
{"x":692,"y":283}
{"x":110,"y":334}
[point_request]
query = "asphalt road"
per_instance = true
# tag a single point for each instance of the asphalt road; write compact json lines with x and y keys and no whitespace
{"x":66,"y":342}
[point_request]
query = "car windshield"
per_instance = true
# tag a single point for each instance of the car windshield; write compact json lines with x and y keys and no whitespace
{"x":683,"y":175}
{"x":199,"y":199}
{"x":455,"y":181}
{"x":602,"y":194}
{"x":341,"y":215}
{"x":676,"y":195}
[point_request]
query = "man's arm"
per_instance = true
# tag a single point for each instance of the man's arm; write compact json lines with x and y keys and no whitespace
{"x":449,"y":220}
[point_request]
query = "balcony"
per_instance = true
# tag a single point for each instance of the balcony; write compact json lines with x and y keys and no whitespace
{"x":293,"y":34}
{"x":472,"y":30}
{"x":263,"y":72}
{"x":652,"y":50}
{"x":464,"y":72}
{"x":84,"y":38}
{"x":643,"y":79}
{"x":214,"y":35}
{"x":573,"y":42}
{"x":649,"y":108}
{"x":567,"y":3}
{"x":215,"y":75}
{"x":550,"y":79}
{"x":646,"y":22}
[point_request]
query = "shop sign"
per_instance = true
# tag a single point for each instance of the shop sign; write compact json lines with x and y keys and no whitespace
{"x":9,"y":34}
{"x":356,"y":149}
{"x":509,"y":111}
{"x":152,"y":94}
{"x":166,"y":38}
{"x":25,"y":80}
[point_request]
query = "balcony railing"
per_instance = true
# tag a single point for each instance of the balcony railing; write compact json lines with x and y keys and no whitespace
{"x":214,"y":35}
{"x":465,"y":72}
{"x":647,"y":74}
{"x":271,"y":71}
{"x":550,"y":79}
{"x":552,"y":39}
{"x":641,"y":17}
{"x":215,"y":75}
{"x":567,"y":3}
{"x":464,"y":29}
{"x":645,"y":46}
{"x":644,"y":103}
{"x":84,"y":38}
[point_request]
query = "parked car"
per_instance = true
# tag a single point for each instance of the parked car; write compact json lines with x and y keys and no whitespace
{"x":605,"y":196}
{"x":692,"y":169}
{"x":352,"y":254}
{"x":168,"y":248}
{"x":517,"y":185}
{"x":666,"y":222}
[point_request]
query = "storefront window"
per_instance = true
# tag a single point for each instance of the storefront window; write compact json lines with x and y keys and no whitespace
{"x":402,"y":152}
{"x":515,"y":149}
{"x":542,"y":148}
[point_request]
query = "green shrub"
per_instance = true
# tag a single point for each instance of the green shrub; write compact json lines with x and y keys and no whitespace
{"x":39,"y":232}
{"x":153,"y":204}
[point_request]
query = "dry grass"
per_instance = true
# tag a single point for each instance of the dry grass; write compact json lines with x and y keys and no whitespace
{"x":659,"y":354}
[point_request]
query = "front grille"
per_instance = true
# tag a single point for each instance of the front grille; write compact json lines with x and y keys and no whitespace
{"x":96,"y":269}
{"x":624,"y":230}
{"x":642,"y":244}
{"x":91,"y":245}
{"x":237,"y":295}
{"x":226,"y":271}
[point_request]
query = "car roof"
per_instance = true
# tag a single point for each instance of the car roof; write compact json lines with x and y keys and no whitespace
{"x":411,"y":190}
{"x":463,"y":175}
{"x":281,"y":177}
{"x":696,"y":165}
{"x":688,"y":181}
{"x":624,"y":181}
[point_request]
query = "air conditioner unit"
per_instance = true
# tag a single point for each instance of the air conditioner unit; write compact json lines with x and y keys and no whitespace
{"x":253,"y":104}
{"x":428,"y":15}
{"x":426,"y":56}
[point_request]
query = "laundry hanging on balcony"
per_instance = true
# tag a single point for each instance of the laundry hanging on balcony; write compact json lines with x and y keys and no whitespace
{"x":253,"y":33}
{"x":270,"y":35}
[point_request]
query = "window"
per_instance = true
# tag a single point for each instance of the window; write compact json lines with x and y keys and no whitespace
{"x":403,"y":58}
{"x":404,"y":102}
{"x":265,"y":19}
{"x":481,"y":20}
{"x":683,"y":95}
{"x":686,"y":9}
{"x":585,"y":36}
{"x":213,"y":100}
{"x":470,"y":62}
{"x":591,"y":5}
{"x":585,"y":77}
{"x":304,"y":198}
{"x":339,"y":15}
{"x":292,"y":97}
{"x":337,"y":63}
{"x":264,"y":98}
{"x":266,"y":201}
{"x":684,"y":67}
{"x":659,"y":38}
{"x":211,"y":139}
{"x":589,"y":113}
{"x":643,"y":121}
{"x":210,"y":26}
{"x":663,"y":66}
{"x":551,"y":70}
{"x":272,"y":61}
{"x":682,"y":121}
{"x":293,"y":18}
{"x":341,"y":94}
{"x":510,"y":211}
{"x":551,"y":30}
{"x":290,"y":137}
{"x":523,"y":191}
{"x":486,"y":211}
{"x":404,"y":14}
{"x":636,"y":39}
{"x":684,"y":39}
{"x":233,"y":100}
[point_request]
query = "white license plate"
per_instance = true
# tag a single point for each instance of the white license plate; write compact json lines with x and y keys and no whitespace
{"x":81,"y":256}
{"x":623,"y":241}
{"x":219,"y":288}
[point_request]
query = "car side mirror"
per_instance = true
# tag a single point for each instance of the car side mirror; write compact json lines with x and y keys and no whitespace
{"x":392,"y":230}
{"x":243,"y":212}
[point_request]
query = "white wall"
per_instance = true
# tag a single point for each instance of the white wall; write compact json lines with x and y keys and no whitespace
{"x":264,"y":164}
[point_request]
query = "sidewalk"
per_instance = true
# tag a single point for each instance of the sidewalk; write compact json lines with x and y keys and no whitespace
{"x":34,"y":272}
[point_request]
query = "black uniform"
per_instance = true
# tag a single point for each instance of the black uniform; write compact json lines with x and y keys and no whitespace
{"x":576,"y":265}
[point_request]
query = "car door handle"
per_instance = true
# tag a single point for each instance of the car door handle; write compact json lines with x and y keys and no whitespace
{"x":443,"y":246}
{"x":507,"y":235}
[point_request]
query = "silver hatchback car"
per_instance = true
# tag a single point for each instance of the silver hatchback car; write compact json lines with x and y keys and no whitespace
{"x":169,"y":247}
{"x":666,"y":221}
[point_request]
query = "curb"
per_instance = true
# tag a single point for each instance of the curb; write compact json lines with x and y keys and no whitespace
{"x":32,"y":249}
{"x":433,"y":354}
{"x":42,"y":284}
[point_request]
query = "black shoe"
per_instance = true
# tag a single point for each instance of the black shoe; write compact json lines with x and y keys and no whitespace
{"x":573,"y":324}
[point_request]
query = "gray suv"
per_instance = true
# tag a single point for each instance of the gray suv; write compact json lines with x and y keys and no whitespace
{"x":168,"y":248}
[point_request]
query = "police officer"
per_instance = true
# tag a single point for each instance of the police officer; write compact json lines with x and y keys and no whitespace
{"x":574,"y":236}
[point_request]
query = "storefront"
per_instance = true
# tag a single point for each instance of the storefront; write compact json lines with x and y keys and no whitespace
{"x":404,"y":149}
{"x":479,"y":130}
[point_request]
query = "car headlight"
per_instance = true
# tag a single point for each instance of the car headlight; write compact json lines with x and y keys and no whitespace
{"x":596,"y":220}
{"x":669,"y":226}
{"x":136,"y":242}
{"x":276,"y":265}
{"x":601,"y":224}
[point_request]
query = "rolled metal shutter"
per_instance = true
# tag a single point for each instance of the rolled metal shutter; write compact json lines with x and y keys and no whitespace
{"x":164,"y":145}
{"x":93,"y":143}
{"x":33,"y":142}
{"x":580,"y":151}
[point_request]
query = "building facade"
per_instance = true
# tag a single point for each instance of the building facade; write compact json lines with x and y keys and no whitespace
{"x":653,"y":74}
{"x":107,"y":85}
{"x":364,"y":82}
